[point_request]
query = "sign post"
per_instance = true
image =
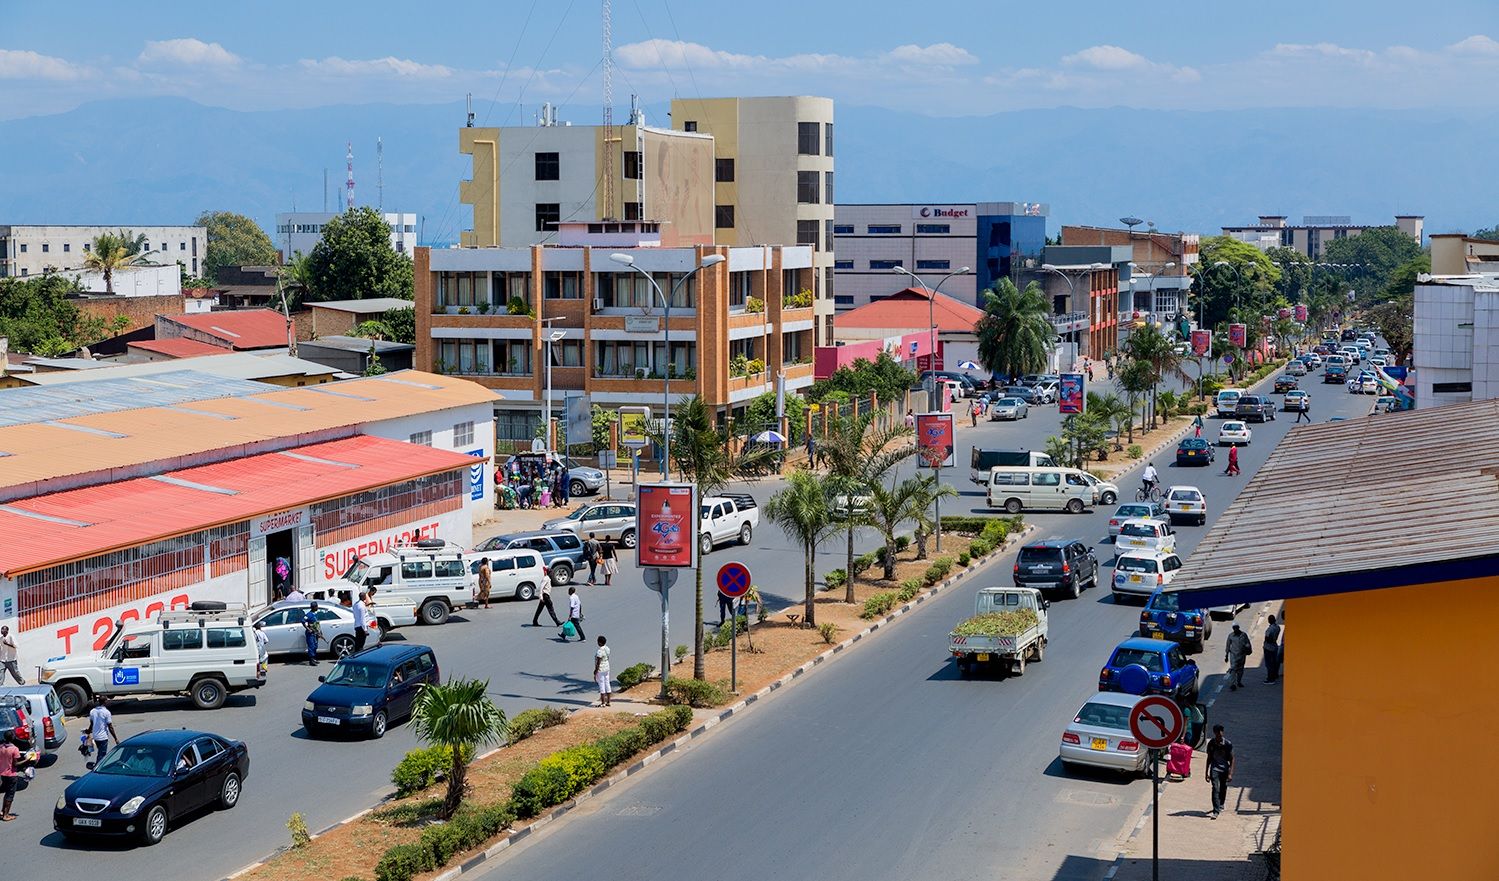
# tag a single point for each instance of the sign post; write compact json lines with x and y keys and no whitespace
{"x":661,"y":580}
{"x":934,"y":449}
{"x":734,"y":583}
{"x":1156,"y":722}
{"x":666,"y":525}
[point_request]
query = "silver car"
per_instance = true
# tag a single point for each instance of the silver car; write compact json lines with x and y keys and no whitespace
{"x":45,"y":710}
{"x":604,"y":519}
{"x":1134,"y":510}
{"x":1099,"y":736}
{"x":1008,"y":408}
{"x":282,"y":623}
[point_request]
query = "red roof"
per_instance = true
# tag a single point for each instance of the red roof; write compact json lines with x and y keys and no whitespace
{"x":241,"y":329}
{"x":178,"y":347}
{"x":93,"y":520}
{"x":908,"y":309}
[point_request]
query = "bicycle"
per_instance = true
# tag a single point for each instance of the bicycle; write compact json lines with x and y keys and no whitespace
{"x":1153,"y":494}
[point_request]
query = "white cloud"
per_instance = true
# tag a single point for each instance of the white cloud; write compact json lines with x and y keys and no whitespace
{"x":1322,"y":50}
{"x":1108,"y":57}
{"x":23,"y":64}
{"x":656,"y":54}
{"x":387,"y":66}
{"x":944,"y":54}
{"x":1478,"y":44}
{"x":187,"y":51}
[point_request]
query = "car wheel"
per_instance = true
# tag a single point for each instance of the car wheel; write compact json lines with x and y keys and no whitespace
{"x":229,"y":792}
{"x":1197,"y":647}
{"x":74,"y":699}
{"x":1203,"y":520}
{"x":435,"y":612}
{"x":1108,"y":498}
{"x":1074,"y":506}
{"x":527,"y":591}
{"x":576,"y":488}
{"x":1012,"y":506}
{"x":1040,"y":650}
{"x":705,"y":543}
{"x":746,"y":532}
{"x":377,"y":725}
{"x":628,"y":539}
{"x":561,"y":574}
{"x":208,"y":694}
{"x":342,"y":646}
{"x":155,"y":826}
{"x":1075,"y":589}
{"x":1118,"y":598}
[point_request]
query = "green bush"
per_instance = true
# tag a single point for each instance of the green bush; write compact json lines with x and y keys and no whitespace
{"x":979,"y":548}
{"x":1136,"y":451}
{"x":879,"y":604}
{"x":557,"y":778}
{"x":662,"y":724}
{"x":835,"y":578}
{"x":828,"y":631}
{"x":404,"y":862}
{"x":969,"y":525}
{"x":421,"y":768}
{"x":902,"y":542}
{"x":695,"y":692}
{"x":863,"y":562}
{"x":442,"y":841}
{"x":909,"y":589}
{"x":880,"y":553}
{"x":634,"y":674}
{"x":622,"y":744}
{"x":528,"y":722}
{"x":681,"y":652}
{"x":963,"y":558}
{"x":945,"y":564}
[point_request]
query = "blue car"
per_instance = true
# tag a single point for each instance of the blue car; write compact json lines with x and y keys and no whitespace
{"x":366,"y":692}
{"x":1151,"y":666}
{"x":1166,"y":617}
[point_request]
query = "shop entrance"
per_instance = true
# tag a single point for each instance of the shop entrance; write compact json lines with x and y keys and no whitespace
{"x":280,"y":562}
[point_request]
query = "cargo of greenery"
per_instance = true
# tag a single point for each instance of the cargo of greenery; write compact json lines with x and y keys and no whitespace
{"x":998,"y":623}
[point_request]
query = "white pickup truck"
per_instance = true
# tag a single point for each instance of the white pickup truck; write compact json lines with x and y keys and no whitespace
{"x":431,"y":573}
{"x":726,"y":518}
{"x":986,"y":637}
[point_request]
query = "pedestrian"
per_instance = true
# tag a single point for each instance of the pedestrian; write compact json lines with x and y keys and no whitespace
{"x":610,"y":561}
{"x":8,"y":662}
{"x":101,"y":727}
{"x":811,"y":450}
{"x":544,"y":601}
{"x":485,"y":582}
{"x":910,"y":418}
{"x":565,"y":487}
{"x":1236,"y":652}
{"x":592,"y":553}
{"x":575,"y":612}
{"x":262,"y":643}
{"x":361,"y":621}
{"x":10,"y":759}
{"x":1272,"y":651}
{"x":973,"y":414}
{"x":295,"y":595}
{"x":601,"y":671}
{"x":725,"y":609}
{"x":1233,"y":462}
{"x":312,"y":628}
{"x":1220,"y":768}
{"x":1305,"y":412}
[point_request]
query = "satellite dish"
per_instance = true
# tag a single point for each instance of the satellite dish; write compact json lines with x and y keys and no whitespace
{"x":1131,"y":222}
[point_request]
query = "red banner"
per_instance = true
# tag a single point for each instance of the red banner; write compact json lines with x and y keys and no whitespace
{"x":1283,"y":313}
{"x":1301,"y":312}
{"x":1201,"y":341}
{"x":934,"y":440}
{"x":666,"y":525}
{"x":1070,"y":398}
{"x":1237,"y":335}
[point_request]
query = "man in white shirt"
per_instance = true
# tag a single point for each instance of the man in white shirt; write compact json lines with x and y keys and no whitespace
{"x":361,"y":621}
{"x":101,"y":728}
{"x":601,"y":671}
{"x":575,"y":612}
{"x":296,"y":595}
{"x":1150,"y":478}
{"x":262,"y":642}
{"x":8,"y":663}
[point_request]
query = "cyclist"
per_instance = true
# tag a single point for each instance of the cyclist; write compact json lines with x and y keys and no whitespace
{"x":1150,"y":479}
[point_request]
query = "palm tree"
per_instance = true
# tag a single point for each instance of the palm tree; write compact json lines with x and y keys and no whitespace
{"x":110,"y":253}
{"x":802,"y":512}
{"x":858,"y":453}
{"x":1149,"y":345}
{"x":1113,"y":410}
{"x":926,"y":491}
{"x":1136,"y":378}
{"x":1015,"y":334}
{"x":889,"y":507}
{"x":459,"y":715}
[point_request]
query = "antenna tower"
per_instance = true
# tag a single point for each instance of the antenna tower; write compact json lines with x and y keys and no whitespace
{"x":609,"y":139}
{"x":380,"y":175}
{"x":349,"y":200}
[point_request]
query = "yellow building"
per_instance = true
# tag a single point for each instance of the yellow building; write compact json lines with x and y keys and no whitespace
{"x":1382,"y":536}
{"x":1458,"y":254}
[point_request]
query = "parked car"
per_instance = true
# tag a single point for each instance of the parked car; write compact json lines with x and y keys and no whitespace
{"x":1150,"y":666}
{"x":44,"y":709}
{"x":1234,"y":433}
{"x":1186,"y":503}
{"x":582,"y":480}
{"x":561,"y":551}
{"x":1194,"y":451}
{"x":605,"y":519}
{"x":1135,"y":510}
{"x":1168,"y":615}
{"x":368,"y":691}
{"x":1255,"y":407}
{"x":285,"y":634}
{"x":512,"y":574}
{"x":150,"y":782}
{"x":1066,"y":564}
{"x":1138,"y":573}
{"x":1099,"y":736}
{"x":1146,"y":534}
{"x":1023,"y":392}
{"x":1047,"y":390}
{"x":1298,"y":401}
{"x":1285,"y":382}
{"x":1008,"y":408}
{"x":731,"y":517}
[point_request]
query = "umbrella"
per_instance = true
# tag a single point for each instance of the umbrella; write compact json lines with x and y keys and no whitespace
{"x":967,"y":365}
{"x":769,"y":437}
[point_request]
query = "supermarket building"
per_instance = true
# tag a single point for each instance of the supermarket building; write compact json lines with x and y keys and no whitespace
{"x":121,"y":498}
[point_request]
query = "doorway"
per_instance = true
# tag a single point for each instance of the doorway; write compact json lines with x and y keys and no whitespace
{"x":281,"y":562}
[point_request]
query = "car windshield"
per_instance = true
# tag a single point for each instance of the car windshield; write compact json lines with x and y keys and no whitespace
{"x":356,"y":571}
{"x":1144,"y":530}
{"x":576,"y":515}
{"x":138,"y":760}
{"x":1166,"y":602}
{"x":1186,"y":495}
{"x":1193,"y":444}
{"x":1137,"y":564}
{"x":1010,"y":402}
{"x":1132,"y":511}
{"x":357,"y":674}
{"x":1103,"y":716}
{"x":1149,"y":660}
{"x":1233,"y":426}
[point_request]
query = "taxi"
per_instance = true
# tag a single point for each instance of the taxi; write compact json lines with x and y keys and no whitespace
{"x":1146,"y":534}
{"x":1186,"y":503}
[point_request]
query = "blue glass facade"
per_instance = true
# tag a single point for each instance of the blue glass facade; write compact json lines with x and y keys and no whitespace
{"x":1004,"y":241}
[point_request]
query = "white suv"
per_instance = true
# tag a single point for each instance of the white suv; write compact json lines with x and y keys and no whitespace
{"x":432,"y":573}
{"x":1138,"y":573}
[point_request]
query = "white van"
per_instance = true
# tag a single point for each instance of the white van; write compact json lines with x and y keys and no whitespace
{"x":1227,"y":401}
{"x":1020,"y":488}
{"x":432,"y":573}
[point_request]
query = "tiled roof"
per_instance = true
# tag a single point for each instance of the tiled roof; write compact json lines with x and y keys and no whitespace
{"x":909,"y":309}
{"x":241,"y":329}
{"x":178,"y":347}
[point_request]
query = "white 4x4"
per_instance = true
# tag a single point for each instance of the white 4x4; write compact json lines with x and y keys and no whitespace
{"x":204,"y":653}
{"x":431,"y":573}
{"x":726,"y":518}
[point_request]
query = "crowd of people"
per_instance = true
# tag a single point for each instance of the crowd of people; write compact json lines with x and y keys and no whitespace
{"x":531,"y":483}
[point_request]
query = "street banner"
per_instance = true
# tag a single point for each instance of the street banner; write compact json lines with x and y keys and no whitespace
{"x":934,"y":440}
{"x":1301,"y":312}
{"x":1201,"y":340}
{"x":666,"y":524}
{"x":579,"y":422}
{"x":1070,"y":397}
{"x":1237,"y":335}
{"x":1283,"y":313}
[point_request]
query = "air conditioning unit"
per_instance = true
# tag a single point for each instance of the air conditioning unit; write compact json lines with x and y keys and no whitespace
{"x":598,"y":304}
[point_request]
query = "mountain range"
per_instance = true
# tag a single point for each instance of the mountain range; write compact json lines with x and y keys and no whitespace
{"x":164,"y":160}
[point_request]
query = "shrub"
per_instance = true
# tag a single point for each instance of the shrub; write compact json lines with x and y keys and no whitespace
{"x":421,"y":768}
{"x":662,"y":724}
{"x":404,"y":862}
{"x":835,"y":578}
{"x":902,"y":542}
{"x":864,"y":561}
{"x":622,"y":744}
{"x":828,"y":630}
{"x":634,"y":674}
{"x":945,"y":564}
{"x":1136,"y":451}
{"x":442,"y":841}
{"x":297,"y":825}
{"x":963,"y":558}
{"x":695,"y":692}
{"x":969,"y":525}
{"x":979,"y":548}
{"x":528,"y":722}
{"x":909,"y":589}
{"x":681,"y":652}
{"x":879,"y":604}
{"x":557,"y":778}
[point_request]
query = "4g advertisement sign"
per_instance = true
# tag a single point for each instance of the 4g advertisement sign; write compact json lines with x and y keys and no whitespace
{"x":666,"y":524}
{"x":1237,"y":336}
{"x":1201,"y":340}
{"x":1070,"y":399}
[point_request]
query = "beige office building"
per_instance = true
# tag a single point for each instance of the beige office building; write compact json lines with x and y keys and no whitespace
{"x":27,"y":250}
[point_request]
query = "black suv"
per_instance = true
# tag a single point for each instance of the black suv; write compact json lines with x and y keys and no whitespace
{"x":1064,"y":564}
{"x":1254,"y":407}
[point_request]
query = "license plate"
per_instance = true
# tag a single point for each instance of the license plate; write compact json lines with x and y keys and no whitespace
{"x":1100,"y":743}
{"x":1181,"y":507}
{"x":1135,"y":579}
{"x":982,"y":657}
{"x":85,"y":821}
{"x":327,"y":720}
{"x":1157,"y":635}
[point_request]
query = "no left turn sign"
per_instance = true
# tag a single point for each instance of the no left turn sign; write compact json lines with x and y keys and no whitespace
{"x":1156,"y":721}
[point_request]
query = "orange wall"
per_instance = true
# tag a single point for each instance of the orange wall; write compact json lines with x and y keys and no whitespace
{"x":1390,"y":710}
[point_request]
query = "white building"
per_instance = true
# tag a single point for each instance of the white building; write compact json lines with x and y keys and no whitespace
{"x":33,"y":250}
{"x":298,"y":232}
{"x":1456,"y":357}
{"x":135,"y":281}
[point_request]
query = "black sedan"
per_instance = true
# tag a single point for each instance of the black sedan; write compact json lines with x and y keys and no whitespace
{"x":1284,"y":383}
{"x":1194,"y":451}
{"x":151,"y":781}
{"x":1023,"y":392}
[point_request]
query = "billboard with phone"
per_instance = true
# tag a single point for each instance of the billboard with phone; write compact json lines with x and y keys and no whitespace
{"x":1070,"y":397}
{"x":666,"y":523}
{"x":1237,"y":335}
{"x":1201,"y":341}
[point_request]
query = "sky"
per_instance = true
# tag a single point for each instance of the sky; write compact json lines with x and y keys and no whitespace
{"x":938,"y":57}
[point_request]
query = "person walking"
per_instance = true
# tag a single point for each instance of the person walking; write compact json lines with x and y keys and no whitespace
{"x":601,"y":671}
{"x":262,"y":643}
{"x":544,"y":601}
{"x":10,"y":760}
{"x":564,"y":486}
{"x":592,"y":552}
{"x":312,"y":628}
{"x":811,"y":450}
{"x":610,"y":561}
{"x":1233,"y":462}
{"x":1272,"y":651}
{"x":8,"y":662}
{"x":725,"y":609}
{"x":101,"y":727}
{"x":973,"y":414}
{"x":1305,"y":412}
{"x":575,"y":612}
{"x":1236,"y":652}
{"x":361,"y":621}
{"x":910,"y":418}
{"x":486,"y":581}
{"x":1220,"y":752}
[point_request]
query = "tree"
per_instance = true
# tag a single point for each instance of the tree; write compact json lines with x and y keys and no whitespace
{"x":1247,"y":286}
{"x":109,"y":254}
{"x":1395,"y":320}
{"x":859,"y":453}
{"x":1113,"y":411}
{"x":1491,"y":233}
{"x":760,"y":415}
{"x":355,"y":261}
{"x":926,"y":490}
{"x":1403,"y":278}
{"x":889,"y":508}
{"x":1148,"y":345}
{"x":1136,"y":378}
{"x":234,"y":240}
{"x":884,"y":376}
{"x":459,"y":715}
{"x":1015,"y":334}
{"x":1374,"y":254}
{"x":402,"y":324}
{"x":374,"y":367}
{"x":802,"y":512}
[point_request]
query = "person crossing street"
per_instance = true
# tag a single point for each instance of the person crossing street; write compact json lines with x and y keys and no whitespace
{"x":544,"y":601}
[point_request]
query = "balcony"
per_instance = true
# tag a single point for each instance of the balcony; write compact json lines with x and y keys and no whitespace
{"x":1070,"y":322}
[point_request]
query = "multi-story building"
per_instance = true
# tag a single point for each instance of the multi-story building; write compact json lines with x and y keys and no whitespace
{"x":33,"y":250}
{"x":1084,"y":283}
{"x":1314,"y":232}
{"x":773,"y":178}
{"x":994,"y":239}
{"x":1458,"y":254}
{"x":1160,"y":268}
{"x":1456,"y":339}
{"x":498,"y":316}
{"x":298,"y":232}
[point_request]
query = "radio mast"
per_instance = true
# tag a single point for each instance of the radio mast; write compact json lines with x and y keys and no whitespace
{"x":609,"y":139}
{"x":349,"y":199}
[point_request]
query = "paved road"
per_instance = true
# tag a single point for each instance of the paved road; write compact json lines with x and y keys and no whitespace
{"x":887,"y":765}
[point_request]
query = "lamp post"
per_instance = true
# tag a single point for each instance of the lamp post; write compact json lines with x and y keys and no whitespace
{"x":1072,"y":286}
{"x":628,"y":260}
{"x":552,"y":337}
{"x":1150,"y":286}
{"x":931,"y":316}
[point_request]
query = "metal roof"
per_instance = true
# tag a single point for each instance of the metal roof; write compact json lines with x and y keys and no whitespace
{"x":82,"y":393}
{"x":365,"y":307}
{"x":355,"y":344}
{"x":224,"y":364}
{"x":1382,"y":492}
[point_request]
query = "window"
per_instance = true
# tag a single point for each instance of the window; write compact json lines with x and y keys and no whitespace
{"x":628,"y":359}
{"x":843,"y":299}
{"x":567,"y":353}
{"x":632,"y":165}
{"x":885,"y":264}
{"x":632,"y":211}
{"x":421,"y":438}
{"x":1001,"y":478}
{"x":843,"y":229}
{"x":880,"y":229}
{"x":827,"y":281}
{"x":547,"y":215}
{"x":827,"y":181}
{"x":416,"y":569}
{"x":562,"y":285}
{"x":207,"y":746}
{"x":827,"y":140}
{"x":514,"y":425}
{"x":741,"y":288}
{"x":807,"y":138}
{"x":689,"y":126}
{"x":512,"y":357}
{"x":450,"y":568}
{"x":723,"y":171}
{"x":791,"y":348}
{"x":933,"y":264}
{"x":467,"y":357}
{"x":807,"y":232}
{"x":827,"y":235}
{"x":806,"y":187}
{"x":723,"y":216}
{"x":226,"y":637}
{"x":1048,"y":478}
{"x":1451,"y":388}
{"x":933,"y":229}
{"x":46,"y":247}
{"x":791,"y":282}
{"x":461,"y":288}
{"x":843,"y":264}
{"x":463,"y":434}
{"x":66,"y":247}
{"x":548,"y":167}
{"x":23,"y":247}
{"x":176,"y":639}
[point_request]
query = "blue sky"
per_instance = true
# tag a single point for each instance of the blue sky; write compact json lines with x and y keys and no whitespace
{"x":943,"y":57}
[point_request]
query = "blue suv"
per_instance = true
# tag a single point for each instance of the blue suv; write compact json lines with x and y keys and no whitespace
{"x":365,"y":692}
{"x":1165,"y":616}
{"x":1151,"y":666}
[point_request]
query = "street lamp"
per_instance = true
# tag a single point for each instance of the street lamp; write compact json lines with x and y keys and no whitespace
{"x":1072,"y":287}
{"x":552,"y":337}
{"x":628,"y":260}
{"x":1150,"y":287}
{"x":931,"y":315}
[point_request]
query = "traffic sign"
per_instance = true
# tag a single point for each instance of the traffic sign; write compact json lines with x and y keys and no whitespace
{"x":658,"y":579}
{"x":733,"y":580}
{"x":1156,"y":721}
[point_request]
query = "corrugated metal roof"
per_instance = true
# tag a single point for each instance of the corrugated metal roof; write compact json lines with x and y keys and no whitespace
{"x":177,"y":347}
{"x":241,"y":329}
{"x":84,"y":393}
{"x":1381,"y":492}
{"x":232,"y":365}
{"x":47,"y":530}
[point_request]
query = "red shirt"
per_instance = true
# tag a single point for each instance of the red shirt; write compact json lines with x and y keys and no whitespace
{"x":9,"y":755}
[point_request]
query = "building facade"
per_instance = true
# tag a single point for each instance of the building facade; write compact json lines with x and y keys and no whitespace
{"x":1458,"y":254}
{"x":1311,"y":236}
{"x":299,"y":232}
{"x":994,"y":239}
{"x":1456,"y":342}
{"x":1160,"y":269}
{"x":34,"y":250}
{"x":1084,"y":284}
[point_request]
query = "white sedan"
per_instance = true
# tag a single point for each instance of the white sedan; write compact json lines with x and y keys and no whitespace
{"x":1099,"y":736}
{"x":1187,"y":503}
{"x":1234,"y":433}
{"x":1146,"y":534}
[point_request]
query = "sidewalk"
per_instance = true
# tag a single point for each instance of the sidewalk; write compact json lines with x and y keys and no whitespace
{"x":1231,"y":848}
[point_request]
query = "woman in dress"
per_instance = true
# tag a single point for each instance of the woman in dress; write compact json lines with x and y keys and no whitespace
{"x":611,"y":561}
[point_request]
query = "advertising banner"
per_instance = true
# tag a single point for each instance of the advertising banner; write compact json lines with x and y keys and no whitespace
{"x":632,"y":426}
{"x":1070,"y":397}
{"x":1201,"y":341}
{"x":666,"y":522}
{"x":1283,"y":313}
{"x":579,"y":410}
{"x":1300,"y":312}
{"x":476,"y":483}
{"x":934,"y":440}
{"x":1237,"y":335}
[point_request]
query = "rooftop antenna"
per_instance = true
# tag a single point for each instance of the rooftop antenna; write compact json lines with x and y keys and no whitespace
{"x":470,"y":122}
{"x":349,"y":202}
{"x":380,"y":175}
{"x":325,"y":190}
{"x":609,"y":139}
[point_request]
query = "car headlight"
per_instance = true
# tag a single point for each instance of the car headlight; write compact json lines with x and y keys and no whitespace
{"x":362,"y":709}
{"x":308,"y":705}
{"x":133,"y":805}
{"x":62,"y":802}
{"x":48,"y":673}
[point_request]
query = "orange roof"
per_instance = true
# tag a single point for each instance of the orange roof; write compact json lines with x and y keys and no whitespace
{"x":178,"y":347}
{"x":51,"y":529}
{"x":908,"y":309}
{"x":123,"y":443}
{"x":241,"y":329}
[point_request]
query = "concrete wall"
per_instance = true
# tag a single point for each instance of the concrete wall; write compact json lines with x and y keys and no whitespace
{"x":138,"y":311}
{"x":1445,"y":325}
{"x":63,"y":247}
{"x":136,"y":281}
{"x":442,"y":425}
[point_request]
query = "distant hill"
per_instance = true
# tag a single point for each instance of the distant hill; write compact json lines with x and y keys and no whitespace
{"x":163,"y":160}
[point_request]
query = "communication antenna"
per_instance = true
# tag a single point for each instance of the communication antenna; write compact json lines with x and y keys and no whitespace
{"x":325,"y":190}
{"x":349,"y":201}
{"x":609,"y":139}
{"x":470,"y":121}
{"x":380,"y":175}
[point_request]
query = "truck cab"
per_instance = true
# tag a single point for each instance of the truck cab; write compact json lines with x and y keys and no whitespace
{"x":726,"y":518}
{"x":432,"y":573}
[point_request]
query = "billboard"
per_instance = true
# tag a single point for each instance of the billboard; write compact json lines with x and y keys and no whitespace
{"x":1070,"y":397}
{"x":579,"y":424}
{"x":677,"y":165}
{"x":633,"y":423}
{"x":1201,"y":341}
{"x":934,"y":440}
{"x":1237,"y":335}
{"x":1301,"y":312}
{"x":1283,"y":313}
{"x":666,"y":521}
